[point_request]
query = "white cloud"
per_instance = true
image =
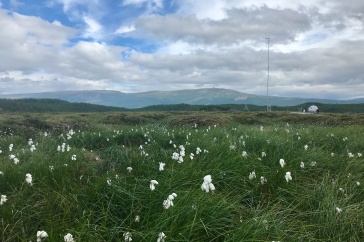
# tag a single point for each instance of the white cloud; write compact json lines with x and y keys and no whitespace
{"x":85,"y":66}
{"x":239,"y":25}
{"x":57,"y":23}
{"x":179,"y":47}
{"x":27,"y":42}
{"x":213,"y":9}
{"x":93,"y":30}
{"x":37,"y":55}
{"x":217,"y":9}
{"x":92,"y":60}
{"x":125,"y":29}
{"x":18,"y":82}
{"x":316,"y":48}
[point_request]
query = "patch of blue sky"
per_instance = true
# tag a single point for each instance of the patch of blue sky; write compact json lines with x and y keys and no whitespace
{"x":140,"y":45}
{"x":6,"y":4}
{"x":118,"y":14}
{"x":41,"y":9}
{"x":170,"y":6}
{"x":125,"y":11}
{"x":314,"y":38}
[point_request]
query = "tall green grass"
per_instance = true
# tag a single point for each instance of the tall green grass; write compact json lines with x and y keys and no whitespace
{"x":95,"y":198}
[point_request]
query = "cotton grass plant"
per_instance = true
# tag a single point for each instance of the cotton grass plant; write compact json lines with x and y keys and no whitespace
{"x":123,"y":182}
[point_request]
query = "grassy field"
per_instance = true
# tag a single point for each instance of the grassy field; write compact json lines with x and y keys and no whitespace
{"x":98,"y":177}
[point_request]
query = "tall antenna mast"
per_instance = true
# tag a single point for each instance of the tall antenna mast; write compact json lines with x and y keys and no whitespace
{"x":268,"y":106}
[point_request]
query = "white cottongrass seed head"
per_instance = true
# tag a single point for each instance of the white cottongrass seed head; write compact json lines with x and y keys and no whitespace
{"x":32,"y":148}
{"x":152,"y":184}
{"x":288,"y":176}
{"x":175,"y":156}
{"x":68,"y":238}
{"x":207,"y":184}
{"x":161,"y":166}
{"x":127,"y":237}
{"x":169,"y":201}
{"x":338,"y":210}
{"x":29,"y":179}
{"x":41,"y":235}
{"x":161,"y":237}
{"x":263,"y":180}
{"x":3,"y":199}
{"x":282,"y":163}
{"x":252,"y":175}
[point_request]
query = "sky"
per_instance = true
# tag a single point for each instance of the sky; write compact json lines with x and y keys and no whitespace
{"x":315,"y":47}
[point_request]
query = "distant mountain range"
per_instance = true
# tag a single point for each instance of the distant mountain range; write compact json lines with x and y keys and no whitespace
{"x":208,"y":96}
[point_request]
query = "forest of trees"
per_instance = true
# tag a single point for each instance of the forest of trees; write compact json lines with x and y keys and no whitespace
{"x":51,"y":105}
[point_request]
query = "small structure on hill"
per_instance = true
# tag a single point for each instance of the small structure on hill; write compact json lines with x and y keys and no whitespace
{"x":313,"y":109}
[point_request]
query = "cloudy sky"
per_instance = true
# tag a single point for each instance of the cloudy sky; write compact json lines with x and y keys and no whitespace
{"x":316,"y":47}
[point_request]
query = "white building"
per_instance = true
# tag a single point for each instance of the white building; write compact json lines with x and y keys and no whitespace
{"x":313,"y":109}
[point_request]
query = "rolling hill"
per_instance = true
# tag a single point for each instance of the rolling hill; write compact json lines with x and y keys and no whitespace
{"x":208,"y":96}
{"x":51,"y":105}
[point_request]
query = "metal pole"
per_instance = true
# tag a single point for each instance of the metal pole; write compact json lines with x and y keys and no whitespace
{"x":268,"y":108}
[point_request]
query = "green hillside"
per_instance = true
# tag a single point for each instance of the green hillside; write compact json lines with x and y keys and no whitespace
{"x":51,"y":105}
{"x":55,"y":105}
{"x":204,"y":96}
{"x":328,"y":108}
